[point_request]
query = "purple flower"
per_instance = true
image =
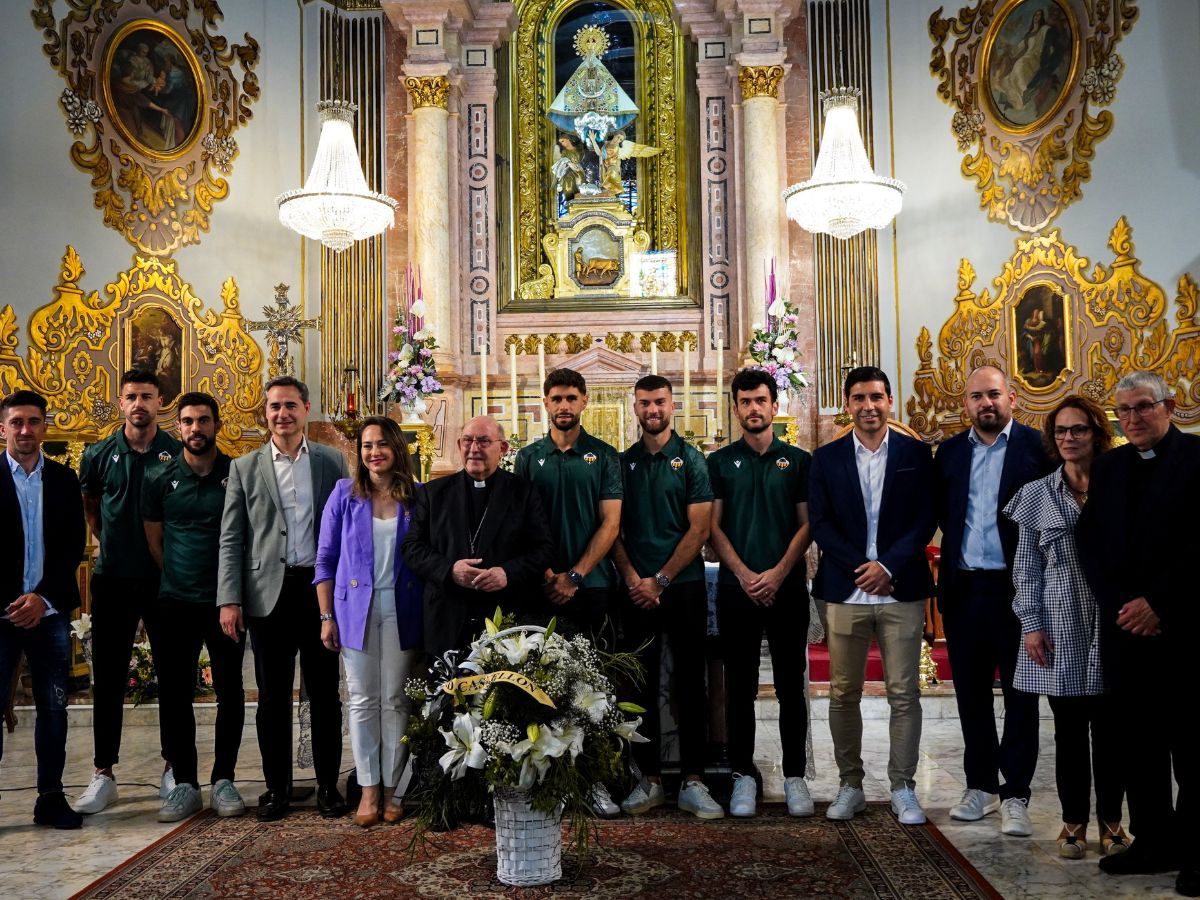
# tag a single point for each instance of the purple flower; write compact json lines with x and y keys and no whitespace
{"x":416,"y":371}
{"x":425,"y":352}
{"x":397,"y":329}
{"x":430,"y":385}
{"x":394,"y":355}
{"x":782,"y":381}
{"x":761,"y":346}
{"x":408,"y":393}
{"x":791,"y":345}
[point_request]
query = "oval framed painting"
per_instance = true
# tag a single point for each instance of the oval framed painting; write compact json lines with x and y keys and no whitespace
{"x":153,"y":89}
{"x":1030,"y":62}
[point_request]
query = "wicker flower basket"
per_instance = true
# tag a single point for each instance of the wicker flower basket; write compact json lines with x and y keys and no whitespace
{"x":528,"y":842}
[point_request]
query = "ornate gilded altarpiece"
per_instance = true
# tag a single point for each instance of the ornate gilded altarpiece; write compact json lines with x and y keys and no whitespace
{"x":663,"y":192}
{"x":1026,"y":79}
{"x":1059,"y":329}
{"x":154,"y":98}
{"x":79,"y":344}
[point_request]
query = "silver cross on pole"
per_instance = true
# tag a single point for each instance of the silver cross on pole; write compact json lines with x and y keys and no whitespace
{"x":282,"y":325}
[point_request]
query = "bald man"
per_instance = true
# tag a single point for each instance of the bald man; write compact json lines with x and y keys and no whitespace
{"x":977,"y":473}
{"x":479,"y":539}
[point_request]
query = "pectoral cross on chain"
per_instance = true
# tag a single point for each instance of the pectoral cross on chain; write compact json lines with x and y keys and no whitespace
{"x":283,"y":325}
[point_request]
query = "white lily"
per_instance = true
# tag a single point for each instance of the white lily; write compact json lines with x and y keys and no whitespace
{"x":591,"y":701}
{"x":516,"y":649}
{"x":777,"y":308}
{"x":784,"y":354}
{"x":628,"y":730}
{"x":82,"y":626}
{"x":418,"y":308}
{"x":406,"y":354}
{"x":465,"y":749}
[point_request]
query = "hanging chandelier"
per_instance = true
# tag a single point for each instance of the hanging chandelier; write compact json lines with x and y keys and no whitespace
{"x":335,"y":206}
{"x":844,"y":196}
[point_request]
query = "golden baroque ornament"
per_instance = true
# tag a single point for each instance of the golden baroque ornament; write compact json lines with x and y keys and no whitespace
{"x":760,"y":81}
{"x":430,"y":90}
{"x":1026,"y":81}
{"x":154,"y":104}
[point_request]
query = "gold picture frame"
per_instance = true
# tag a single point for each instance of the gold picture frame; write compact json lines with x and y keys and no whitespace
{"x":1027,"y":79}
{"x":1040,"y":335}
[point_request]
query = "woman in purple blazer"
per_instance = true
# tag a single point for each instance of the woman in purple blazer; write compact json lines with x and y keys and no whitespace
{"x":371,"y":608}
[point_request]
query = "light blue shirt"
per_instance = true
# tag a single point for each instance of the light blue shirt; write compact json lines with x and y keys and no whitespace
{"x":981,"y":547}
{"x":29,"y":495}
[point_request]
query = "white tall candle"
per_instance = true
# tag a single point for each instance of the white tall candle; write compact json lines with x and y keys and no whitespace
{"x":720,"y":379}
{"x":654,"y":357}
{"x":621,"y":426}
{"x":687,"y":387}
{"x":512,"y":389}
{"x":483,"y":376}
{"x":541,"y":383}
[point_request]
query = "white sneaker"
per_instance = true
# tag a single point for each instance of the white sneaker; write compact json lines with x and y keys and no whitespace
{"x":745,"y":793}
{"x":98,"y":795}
{"x":167,"y":783}
{"x":974,"y":805}
{"x":849,"y":802}
{"x":799,"y":800}
{"x":602,"y":802}
{"x":182,"y":802}
{"x":225,"y":799}
{"x":695,"y":798}
{"x":643,"y":798}
{"x":1014,"y":817}
{"x":906,"y":807}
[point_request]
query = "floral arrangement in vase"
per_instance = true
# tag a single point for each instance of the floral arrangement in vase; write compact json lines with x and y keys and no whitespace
{"x":412,"y":372}
{"x":774,"y":346}
{"x":525,"y":708}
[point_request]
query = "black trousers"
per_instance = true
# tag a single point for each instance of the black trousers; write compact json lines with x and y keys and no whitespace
{"x":1158,"y":735}
{"x":1075,"y":719}
{"x":118,"y":604}
{"x":681,"y":617}
{"x":785,"y":623}
{"x":983,"y":635}
{"x":588,"y":612}
{"x":186,"y":627}
{"x":294,"y":626}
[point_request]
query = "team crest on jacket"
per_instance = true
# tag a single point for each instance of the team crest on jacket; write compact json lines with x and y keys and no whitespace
{"x":116,"y":457}
{"x":632,"y":466}
{"x":677,"y":463}
{"x":781,"y":464}
{"x":737,"y":463}
{"x":542,"y":461}
{"x":589,"y":458}
{"x":225,"y":483}
{"x":164,"y":457}
{"x":174,"y":485}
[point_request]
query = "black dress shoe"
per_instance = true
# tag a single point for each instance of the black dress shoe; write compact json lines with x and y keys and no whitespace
{"x":1140,"y":859}
{"x":330,"y":803}
{"x":273,"y":806}
{"x":1188,"y":882}
{"x":53,"y":810}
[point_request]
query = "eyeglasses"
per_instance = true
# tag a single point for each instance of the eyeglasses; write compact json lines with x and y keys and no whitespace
{"x":1075,"y":431}
{"x":481,"y":442}
{"x":1142,"y":409}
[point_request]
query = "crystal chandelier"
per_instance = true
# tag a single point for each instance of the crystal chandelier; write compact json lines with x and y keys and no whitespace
{"x":335,"y":206}
{"x":844,"y":196}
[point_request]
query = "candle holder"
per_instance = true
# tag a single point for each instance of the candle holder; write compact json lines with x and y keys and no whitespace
{"x":346,"y":417}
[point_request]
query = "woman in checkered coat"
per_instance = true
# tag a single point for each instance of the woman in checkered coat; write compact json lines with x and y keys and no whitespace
{"x":1060,"y":651}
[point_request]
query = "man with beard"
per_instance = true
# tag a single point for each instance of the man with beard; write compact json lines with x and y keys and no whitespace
{"x":479,"y":539}
{"x":182,"y":505}
{"x":664,"y":523}
{"x":976,"y":474}
{"x":1135,"y":533}
{"x":872,"y":518}
{"x":760,"y":533}
{"x":578,"y":478}
{"x":125,"y":578}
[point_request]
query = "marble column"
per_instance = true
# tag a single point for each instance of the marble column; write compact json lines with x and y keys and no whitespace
{"x":761,"y":184}
{"x":429,"y":218}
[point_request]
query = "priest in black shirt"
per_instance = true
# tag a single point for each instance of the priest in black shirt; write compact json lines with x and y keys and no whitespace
{"x":1136,"y":536}
{"x":479,"y":539}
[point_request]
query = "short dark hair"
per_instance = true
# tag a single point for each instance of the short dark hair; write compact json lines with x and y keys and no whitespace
{"x":1101,"y":429}
{"x":749,"y":378}
{"x":653,"y":383}
{"x":866,"y":373}
{"x":564,"y":377}
{"x":199,"y":398}
{"x":22,"y":398}
{"x":140,"y":376}
{"x":287,"y":381}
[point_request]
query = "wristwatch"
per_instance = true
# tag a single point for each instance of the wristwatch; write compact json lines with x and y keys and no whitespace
{"x":575,"y":577}
{"x":663,"y":581}
{"x":326,"y":617}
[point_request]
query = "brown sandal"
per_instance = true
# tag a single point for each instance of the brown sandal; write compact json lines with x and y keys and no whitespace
{"x":1113,"y":839}
{"x":1072,"y":841}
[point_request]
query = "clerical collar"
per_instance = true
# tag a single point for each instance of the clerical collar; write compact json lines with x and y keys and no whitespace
{"x":1147,"y":454}
{"x":479,"y":484}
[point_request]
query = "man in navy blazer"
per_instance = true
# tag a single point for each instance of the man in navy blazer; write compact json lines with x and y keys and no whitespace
{"x":42,"y":512}
{"x":869,"y":500}
{"x":977,"y":473}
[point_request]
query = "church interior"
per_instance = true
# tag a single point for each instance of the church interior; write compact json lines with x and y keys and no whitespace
{"x":421,"y":207}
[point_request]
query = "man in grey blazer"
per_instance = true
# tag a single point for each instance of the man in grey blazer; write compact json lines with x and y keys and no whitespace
{"x":273,"y":506}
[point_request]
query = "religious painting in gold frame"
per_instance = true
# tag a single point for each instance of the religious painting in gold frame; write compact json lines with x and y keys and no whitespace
{"x":1027,"y":80}
{"x":662,"y":181}
{"x":1040,"y":335}
{"x":154,"y":342}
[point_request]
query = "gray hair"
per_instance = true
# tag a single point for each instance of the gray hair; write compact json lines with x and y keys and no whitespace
{"x":1145,"y":381}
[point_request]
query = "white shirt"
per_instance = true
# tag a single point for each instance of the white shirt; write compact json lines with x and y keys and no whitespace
{"x":872,"y":467}
{"x":294,"y":479}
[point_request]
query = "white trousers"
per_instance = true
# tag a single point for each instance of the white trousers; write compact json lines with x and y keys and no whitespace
{"x":378,"y":708}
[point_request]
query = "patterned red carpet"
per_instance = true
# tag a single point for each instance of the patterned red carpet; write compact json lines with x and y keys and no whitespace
{"x":665,"y":855}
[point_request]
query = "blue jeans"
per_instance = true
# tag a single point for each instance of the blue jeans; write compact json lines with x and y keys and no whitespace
{"x":47,"y":646}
